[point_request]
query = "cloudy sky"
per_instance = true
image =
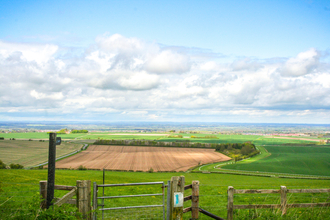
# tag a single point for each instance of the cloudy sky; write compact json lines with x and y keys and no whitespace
{"x":211,"y":61}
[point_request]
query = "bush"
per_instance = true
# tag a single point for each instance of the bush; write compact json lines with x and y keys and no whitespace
{"x":81,"y":167}
{"x":151,"y":170}
{"x":2,"y":165}
{"x":16,"y":166}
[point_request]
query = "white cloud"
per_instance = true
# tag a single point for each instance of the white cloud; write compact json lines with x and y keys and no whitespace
{"x":39,"y":95}
{"x":29,"y":52}
{"x":303,"y":64}
{"x":146,"y":81}
{"x":168,"y":62}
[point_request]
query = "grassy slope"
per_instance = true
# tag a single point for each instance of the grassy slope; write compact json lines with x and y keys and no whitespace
{"x":291,"y":159}
{"x":213,"y":189}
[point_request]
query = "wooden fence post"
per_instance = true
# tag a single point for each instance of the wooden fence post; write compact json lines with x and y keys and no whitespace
{"x":43,"y":193}
{"x":195,"y":200}
{"x":230,"y":206}
{"x":84,"y":198}
{"x":177,"y":192}
{"x":283,"y":199}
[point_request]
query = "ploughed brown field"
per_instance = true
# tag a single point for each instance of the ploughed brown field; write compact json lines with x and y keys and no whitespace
{"x":141,"y":158}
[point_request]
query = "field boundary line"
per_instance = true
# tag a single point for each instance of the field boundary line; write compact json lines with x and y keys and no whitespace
{"x":61,"y":157}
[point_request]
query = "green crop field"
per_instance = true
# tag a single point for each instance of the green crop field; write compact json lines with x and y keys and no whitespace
{"x":20,"y":189}
{"x":29,"y":153}
{"x":308,"y":160}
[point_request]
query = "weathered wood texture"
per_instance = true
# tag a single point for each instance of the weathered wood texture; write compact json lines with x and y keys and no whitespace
{"x":308,"y":190}
{"x":260,"y":206}
{"x":68,"y":200}
{"x":61,"y":187}
{"x":252,"y":191}
{"x":177,"y":185}
{"x":195,"y":200}
{"x":185,"y":210}
{"x":188,"y":187}
{"x":187,"y":198}
{"x":43,"y":193}
{"x":84,"y":198}
{"x":66,"y":197}
{"x":230,"y":204}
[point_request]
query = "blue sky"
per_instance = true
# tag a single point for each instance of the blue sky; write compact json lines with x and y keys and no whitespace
{"x":224,"y":61}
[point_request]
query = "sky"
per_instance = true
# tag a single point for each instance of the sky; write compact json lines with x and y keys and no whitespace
{"x":180,"y":61}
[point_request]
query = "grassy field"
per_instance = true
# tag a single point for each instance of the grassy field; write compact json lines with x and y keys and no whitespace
{"x":308,"y":160}
{"x":221,"y":138}
{"x":19,"y":187}
{"x":29,"y":153}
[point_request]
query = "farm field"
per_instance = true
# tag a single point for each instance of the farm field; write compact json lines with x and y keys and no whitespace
{"x":20,"y":188}
{"x":29,"y":153}
{"x":141,"y":158}
{"x":308,"y":160}
{"x":220,"y":138}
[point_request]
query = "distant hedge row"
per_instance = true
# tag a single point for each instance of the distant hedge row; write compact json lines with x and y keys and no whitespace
{"x":12,"y":166}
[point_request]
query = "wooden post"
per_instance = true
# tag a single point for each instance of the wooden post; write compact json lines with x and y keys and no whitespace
{"x":195,"y":200}
{"x":51,"y":169}
{"x":43,"y":193}
{"x":84,"y":198}
{"x":230,"y":206}
{"x":283,"y":199}
{"x":177,"y":192}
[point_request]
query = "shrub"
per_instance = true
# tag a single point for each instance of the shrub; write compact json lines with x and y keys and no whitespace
{"x":16,"y":166}
{"x":151,"y":170}
{"x":2,"y":165}
{"x":81,"y":167}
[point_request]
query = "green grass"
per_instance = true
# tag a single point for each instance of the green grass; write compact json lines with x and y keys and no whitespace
{"x":18,"y":187}
{"x":307,"y":160}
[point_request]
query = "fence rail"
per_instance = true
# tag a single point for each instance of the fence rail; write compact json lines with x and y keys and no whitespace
{"x":82,"y":191}
{"x":283,"y":193}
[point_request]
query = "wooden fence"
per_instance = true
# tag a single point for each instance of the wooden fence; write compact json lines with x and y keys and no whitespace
{"x":176,"y":211}
{"x":82,"y":191}
{"x":283,"y":193}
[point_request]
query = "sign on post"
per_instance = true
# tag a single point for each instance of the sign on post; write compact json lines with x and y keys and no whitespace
{"x":58,"y":140}
{"x":177,"y":190}
{"x":178,"y":199}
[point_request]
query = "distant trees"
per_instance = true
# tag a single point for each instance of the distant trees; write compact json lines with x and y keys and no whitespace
{"x":16,"y":166}
{"x":78,"y":131}
{"x":2,"y":165}
{"x":238,"y":151}
{"x":12,"y":165}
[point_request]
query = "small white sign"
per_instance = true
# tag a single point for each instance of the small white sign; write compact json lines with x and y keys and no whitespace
{"x":178,"y":199}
